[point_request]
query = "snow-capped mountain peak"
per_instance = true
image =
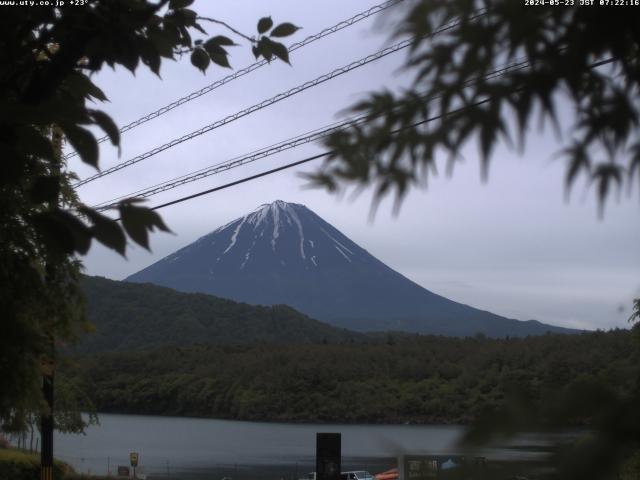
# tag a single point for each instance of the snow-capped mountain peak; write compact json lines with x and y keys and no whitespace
{"x":283,"y":253}
{"x":295,"y":235}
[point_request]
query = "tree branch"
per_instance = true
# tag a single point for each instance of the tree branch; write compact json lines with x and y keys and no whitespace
{"x":226,"y":25}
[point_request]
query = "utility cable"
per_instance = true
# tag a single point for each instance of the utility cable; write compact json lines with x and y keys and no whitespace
{"x":244,"y":71}
{"x":259,"y":106}
{"x":233,"y":163}
{"x":270,"y":150}
{"x":307,"y":159}
{"x":247,"y":111}
{"x":333,"y":152}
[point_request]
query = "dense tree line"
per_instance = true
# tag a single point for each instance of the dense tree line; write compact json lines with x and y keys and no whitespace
{"x":389,"y":378}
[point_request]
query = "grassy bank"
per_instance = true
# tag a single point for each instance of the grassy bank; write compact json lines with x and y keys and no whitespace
{"x":16,"y":464}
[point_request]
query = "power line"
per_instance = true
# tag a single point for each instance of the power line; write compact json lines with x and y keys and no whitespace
{"x":308,"y":159}
{"x":244,"y":71}
{"x":332,"y":152}
{"x":254,"y":108}
{"x":259,"y":106}
{"x":243,"y":180}
{"x":270,"y":150}
{"x":233,"y":163}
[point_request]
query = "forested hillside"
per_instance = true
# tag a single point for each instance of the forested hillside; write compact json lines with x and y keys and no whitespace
{"x":129,"y":316}
{"x":394,"y":378}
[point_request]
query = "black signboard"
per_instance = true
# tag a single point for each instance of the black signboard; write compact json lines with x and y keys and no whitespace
{"x":328,"y":456}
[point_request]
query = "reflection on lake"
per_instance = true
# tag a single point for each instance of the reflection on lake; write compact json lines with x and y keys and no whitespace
{"x":169,"y":445}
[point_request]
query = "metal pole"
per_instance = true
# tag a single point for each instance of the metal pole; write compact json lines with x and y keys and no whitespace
{"x":48,"y":364}
{"x":46,"y":454}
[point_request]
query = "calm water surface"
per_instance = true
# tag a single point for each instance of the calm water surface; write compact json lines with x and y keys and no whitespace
{"x":168,"y":445}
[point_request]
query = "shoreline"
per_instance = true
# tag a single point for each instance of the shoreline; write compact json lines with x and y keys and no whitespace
{"x":287,"y":422}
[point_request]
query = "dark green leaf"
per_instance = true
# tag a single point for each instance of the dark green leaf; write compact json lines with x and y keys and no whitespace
{"x":83,"y":141}
{"x":212,"y":47}
{"x":217,"y":54}
{"x":106,"y":231}
{"x":189,"y":17}
{"x":635,"y":162}
{"x":175,"y":4}
{"x":256,"y":51}
{"x":45,"y":189}
{"x":604,"y":174}
{"x":280,"y":51}
{"x":128,"y":54}
{"x":64,"y":231}
{"x":79,"y":83}
{"x":198,"y":27}
{"x":150,"y":56}
{"x":487,"y":140}
{"x":162,"y":40}
{"x":185,"y":36}
{"x":264,"y":24}
{"x":220,"y":59}
{"x":170,"y":32}
{"x":107,"y":124}
{"x":264,"y":48}
{"x":284,"y":30}
{"x":222,"y":40}
{"x":54,"y":233}
{"x":578,"y":160}
{"x":32,"y":142}
{"x":94,"y":90}
{"x":200,"y":59}
{"x":139,"y":221}
{"x":79,"y":232}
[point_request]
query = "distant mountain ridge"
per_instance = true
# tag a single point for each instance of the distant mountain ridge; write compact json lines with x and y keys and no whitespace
{"x":283,"y":253}
{"x":134,"y":317}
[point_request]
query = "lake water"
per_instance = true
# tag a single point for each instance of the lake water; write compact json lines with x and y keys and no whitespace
{"x":204,"y":448}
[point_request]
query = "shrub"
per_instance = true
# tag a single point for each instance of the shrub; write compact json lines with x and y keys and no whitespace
{"x":18,"y":465}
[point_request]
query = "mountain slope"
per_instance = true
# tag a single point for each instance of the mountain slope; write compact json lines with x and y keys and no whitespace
{"x":128,"y":317}
{"x":283,"y":253}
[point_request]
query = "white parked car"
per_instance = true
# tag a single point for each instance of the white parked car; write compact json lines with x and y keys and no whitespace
{"x":356,"y":475}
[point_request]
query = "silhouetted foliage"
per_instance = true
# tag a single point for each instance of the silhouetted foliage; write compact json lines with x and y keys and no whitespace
{"x":635,"y":314}
{"x":483,"y":69}
{"x":47,"y":59}
{"x":584,"y":57}
{"x":609,"y":399}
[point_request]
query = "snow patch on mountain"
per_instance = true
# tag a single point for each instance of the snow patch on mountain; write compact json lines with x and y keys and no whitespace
{"x":295,"y":218}
{"x":342,"y":253}
{"x":234,"y":237}
{"x":275,"y":212}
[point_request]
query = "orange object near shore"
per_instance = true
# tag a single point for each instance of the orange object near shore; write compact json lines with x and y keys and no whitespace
{"x":392,"y":474}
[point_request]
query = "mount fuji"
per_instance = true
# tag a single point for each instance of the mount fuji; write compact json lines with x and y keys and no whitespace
{"x":283,"y":253}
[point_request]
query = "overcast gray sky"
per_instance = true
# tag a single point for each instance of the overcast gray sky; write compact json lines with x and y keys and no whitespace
{"x":512,"y":246}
